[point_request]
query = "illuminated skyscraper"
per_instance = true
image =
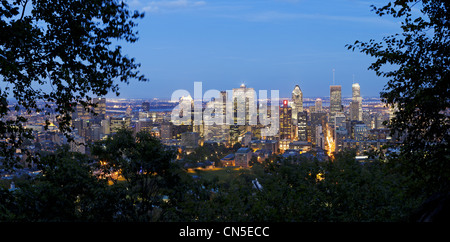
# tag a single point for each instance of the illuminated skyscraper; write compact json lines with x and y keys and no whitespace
{"x":356,"y":104}
{"x":99,"y":111}
{"x":244,"y":99}
{"x":335,"y":99}
{"x":302,"y":126}
{"x":100,"y":108}
{"x":356,"y":90}
{"x":219,"y":131}
{"x":285,"y":121}
{"x":318,"y":105}
{"x":297,"y":106}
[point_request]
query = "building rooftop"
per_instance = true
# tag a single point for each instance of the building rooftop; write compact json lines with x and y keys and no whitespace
{"x":243,"y":150}
{"x":228,"y":157}
{"x":263,"y":141}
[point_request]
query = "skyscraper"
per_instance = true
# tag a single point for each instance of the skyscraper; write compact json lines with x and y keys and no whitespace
{"x":335,"y":99}
{"x":356,"y":90}
{"x":356,"y":104}
{"x":244,"y":99}
{"x":100,"y":108}
{"x":96,"y":112}
{"x":302,"y":126}
{"x":318,"y":105}
{"x":220,"y":130}
{"x":297,"y":106}
{"x":285,"y":121}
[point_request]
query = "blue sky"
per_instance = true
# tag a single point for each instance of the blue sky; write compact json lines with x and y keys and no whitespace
{"x":266,"y":44}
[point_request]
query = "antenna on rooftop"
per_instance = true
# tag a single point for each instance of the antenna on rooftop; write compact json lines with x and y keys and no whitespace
{"x":333,"y":76}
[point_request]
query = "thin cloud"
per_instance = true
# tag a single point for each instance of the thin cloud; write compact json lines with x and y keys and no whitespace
{"x":269,"y":16}
{"x":163,"y":5}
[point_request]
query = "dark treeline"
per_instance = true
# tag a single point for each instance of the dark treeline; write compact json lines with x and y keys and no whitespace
{"x":155,"y":187}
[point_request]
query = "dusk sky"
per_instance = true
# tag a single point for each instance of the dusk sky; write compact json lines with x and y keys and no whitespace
{"x":266,"y":44}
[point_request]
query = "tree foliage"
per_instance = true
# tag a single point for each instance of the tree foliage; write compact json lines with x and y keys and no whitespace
{"x":60,"y":53}
{"x":156,"y":189}
{"x":416,"y":63}
{"x":151,"y":178}
{"x":344,"y":190}
{"x":66,"y":191}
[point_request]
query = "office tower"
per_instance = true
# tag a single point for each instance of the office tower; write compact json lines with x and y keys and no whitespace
{"x":285,"y":121}
{"x":340,"y":131}
{"x":356,"y":90}
{"x":96,"y":112}
{"x":360,"y":132}
{"x":317,"y":119}
{"x":297,"y":106}
{"x":302,"y":126}
{"x":244,"y":101}
{"x":319,"y":137}
{"x":335,"y":103}
{"x":356,"y":103}
{"x":183,"y":114}
{"x":220,"y":130}
{"x":105,"y":124}
{"x":354,"y":110}
{"x":81,"y":112}
{"x":143,"y":125}
{"x":244,"y":112}
{"x":318,"y":105}
{"x":119,"y":122}
{"x":100,"y":108}
{"x":335,"y":99}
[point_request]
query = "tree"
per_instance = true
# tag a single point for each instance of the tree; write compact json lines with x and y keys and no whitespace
{"x":417,"y":65}
{"x":66,"y":191}
{"x":65,"y":47}
{"x":148,"y":169}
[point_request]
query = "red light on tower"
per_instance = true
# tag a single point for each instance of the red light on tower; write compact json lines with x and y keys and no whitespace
{"x":285,"y":103}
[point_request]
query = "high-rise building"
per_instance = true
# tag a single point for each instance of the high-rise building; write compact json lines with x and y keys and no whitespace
{"x":220,"y":130}
{"x":356,"y":90}
{"x":319,"y":137}
{"x":335,"y":103}
{"x":297,"y":105}
{"x":356,"y":103}
{"x":360,"y":132}
{"x":185,"y":116}
{"x":166,"y":131}
{"x":335,"y":99}
{"x":302,"y":126}
{"x":100,"y":108}
{"x":317,"y":119}
{"x":285,"y":121}
{"x":244,"y":112}
{"x":340,"y":131}
{"x":118,"y":122}
{"x":244,"y":99}
{"x":318,"y":105}
{"x":81,"y":112}
{"x":354,"y":110}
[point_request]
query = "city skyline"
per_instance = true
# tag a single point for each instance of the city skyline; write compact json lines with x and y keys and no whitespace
{"x":272,"y":44}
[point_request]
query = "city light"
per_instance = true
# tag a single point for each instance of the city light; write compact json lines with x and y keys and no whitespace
{"x":330,"y":143}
